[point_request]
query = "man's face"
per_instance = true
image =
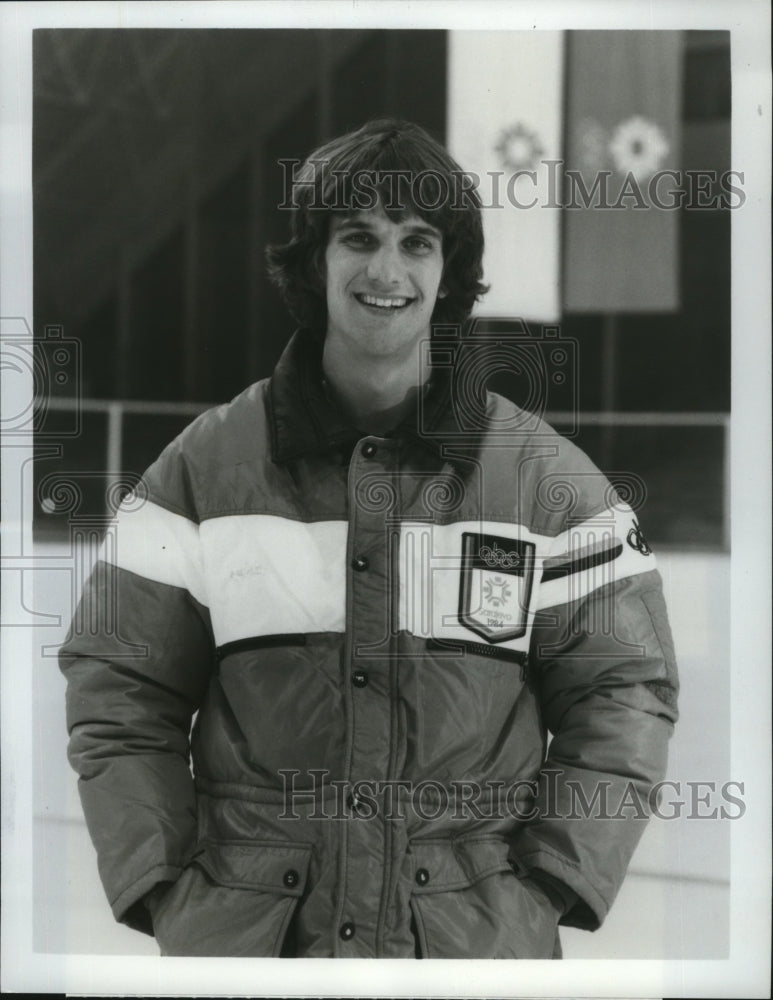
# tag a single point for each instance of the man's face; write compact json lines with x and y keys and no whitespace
{"x":382,"y":282}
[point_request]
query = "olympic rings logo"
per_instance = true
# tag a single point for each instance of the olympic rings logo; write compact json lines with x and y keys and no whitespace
{"x":498,"y":557}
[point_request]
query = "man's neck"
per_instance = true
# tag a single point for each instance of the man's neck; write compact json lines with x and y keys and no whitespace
{"x":375,"y":393}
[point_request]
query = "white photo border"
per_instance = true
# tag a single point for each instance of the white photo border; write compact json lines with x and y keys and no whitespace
{"x":746,"y":973}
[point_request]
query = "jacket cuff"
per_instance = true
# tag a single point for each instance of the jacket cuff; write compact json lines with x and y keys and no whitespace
{"x":588,"y":909}
{"x":562,"y":897}
{"x":129,"y":908}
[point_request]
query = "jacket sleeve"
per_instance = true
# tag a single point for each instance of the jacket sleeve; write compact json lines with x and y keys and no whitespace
{"x":137,"y":660}
{"x":603,"y":663}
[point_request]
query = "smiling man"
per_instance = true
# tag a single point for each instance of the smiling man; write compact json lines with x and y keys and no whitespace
{"x":376,"y":608}
{"x":382,"y":280}
{"x":392,"y":271}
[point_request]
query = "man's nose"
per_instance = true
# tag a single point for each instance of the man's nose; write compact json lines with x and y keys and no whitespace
{"x":386,"y":267}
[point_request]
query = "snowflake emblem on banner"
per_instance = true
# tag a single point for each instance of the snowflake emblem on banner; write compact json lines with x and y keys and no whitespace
{"x":519,"y":147}
{"x":638,"y":147}
{"x":496,"y":591}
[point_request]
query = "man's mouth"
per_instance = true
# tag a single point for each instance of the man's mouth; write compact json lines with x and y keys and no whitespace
{"x":386,"y":302}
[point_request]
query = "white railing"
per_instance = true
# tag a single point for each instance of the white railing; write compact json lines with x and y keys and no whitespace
{"x":116,"y":409}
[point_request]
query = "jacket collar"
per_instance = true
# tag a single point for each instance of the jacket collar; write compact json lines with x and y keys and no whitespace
{"x":304,"y":421}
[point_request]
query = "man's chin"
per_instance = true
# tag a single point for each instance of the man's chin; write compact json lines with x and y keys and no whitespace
{"x":386,"y":345}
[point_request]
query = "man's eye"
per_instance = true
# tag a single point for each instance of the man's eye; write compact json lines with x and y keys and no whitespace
{"x":417,"y":244}
{"x":358,"y":239}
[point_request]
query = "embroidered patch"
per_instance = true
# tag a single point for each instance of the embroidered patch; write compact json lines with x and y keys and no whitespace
{"x":495,"y":585}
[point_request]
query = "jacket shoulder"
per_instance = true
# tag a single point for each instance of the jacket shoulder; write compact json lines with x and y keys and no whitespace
{"x":557,"y":482}
{"x":191,"y":471}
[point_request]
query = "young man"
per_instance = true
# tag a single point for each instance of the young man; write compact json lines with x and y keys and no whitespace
{"x":378,"y":602}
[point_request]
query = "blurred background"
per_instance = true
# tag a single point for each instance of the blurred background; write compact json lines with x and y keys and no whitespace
{"x":157,"y":186}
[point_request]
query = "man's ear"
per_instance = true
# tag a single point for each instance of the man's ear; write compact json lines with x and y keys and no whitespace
{"x":442,"y":293}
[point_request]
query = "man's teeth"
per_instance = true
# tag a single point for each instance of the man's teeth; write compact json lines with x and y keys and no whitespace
{"x":373,"y":300}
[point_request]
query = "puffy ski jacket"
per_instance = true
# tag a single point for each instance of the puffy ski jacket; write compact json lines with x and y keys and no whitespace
{"x":375,"y":636}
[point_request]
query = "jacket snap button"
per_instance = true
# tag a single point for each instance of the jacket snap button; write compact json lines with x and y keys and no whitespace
{"x":347,"y":931}
{"x":422,"y":876}
{"x":291,"y":878}
{"x":360,"y":563}
{"x":369,"y":449}
{"x":359,"y":678}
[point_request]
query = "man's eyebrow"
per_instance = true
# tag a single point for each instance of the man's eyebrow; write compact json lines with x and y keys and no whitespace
{"x":424,"y":230}
{"x":352,"y":222}
{"x":363,"y":222}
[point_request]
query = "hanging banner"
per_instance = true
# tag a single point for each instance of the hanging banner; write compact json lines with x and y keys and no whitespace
{"x":620,"y":250}
{"x":504,"y":125}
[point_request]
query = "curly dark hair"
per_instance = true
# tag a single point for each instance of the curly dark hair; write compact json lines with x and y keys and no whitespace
{"x":401,"y":167}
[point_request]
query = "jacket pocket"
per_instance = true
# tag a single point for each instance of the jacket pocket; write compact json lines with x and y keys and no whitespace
{"x":491,"y":651}
{"x":235,"y":898}
{"x":467,"y":902}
